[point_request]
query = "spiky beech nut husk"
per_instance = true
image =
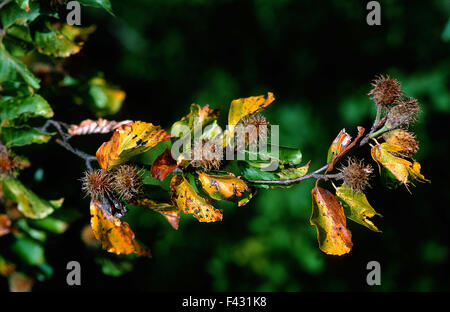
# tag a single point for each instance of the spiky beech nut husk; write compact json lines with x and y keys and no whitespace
{"x":404,"y":139}
{"x":250,"y":130}
{"x":385,"y":91}
{"x":127,"y":181}
{"x":97,"y":183}
{"x":207,"y":156}
{"x":356,"y":174}
{"x":403,"y":114}
{"x":10,"y":162}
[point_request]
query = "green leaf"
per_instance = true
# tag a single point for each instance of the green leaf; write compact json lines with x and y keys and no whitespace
{"x":38,"y":235}
{"x":114,"y":268}
{"x":13,"y":14}
{"x":104,"y":98}
{"x":281,"y":154}
{"x":50,"y":224}
{"x":59,"y":42}
{"x":28,"y":203}
{"x":24,"y":107}
{"x":356,"y":207}
{"x":22,"y":135}
{"x":24,"y":4}
{"x":11,"y":69}
{"x":105,"y":4}
{"x":31,"y":252}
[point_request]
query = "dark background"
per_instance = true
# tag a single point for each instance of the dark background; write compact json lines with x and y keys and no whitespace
{"x":318,"y":58}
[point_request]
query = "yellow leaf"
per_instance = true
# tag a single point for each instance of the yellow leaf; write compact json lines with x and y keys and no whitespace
{"x":403,"y":170}
{"x":128,"y":141}
{"x":115,"y":235}
{"x":356,"y":207}
{"x":328,"y":217}
{"x":225,"y":187}
{"x":243,"y":107}
{"x":186,"y":199}
{"x":293,"y":173}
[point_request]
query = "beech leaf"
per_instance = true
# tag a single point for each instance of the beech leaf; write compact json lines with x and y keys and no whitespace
{"x":128,"y":141}
{"x":403,"y":170}
{"x":186,"y":199}
{"x":163,"y":165}
{"x":225,"y":187}
{"x":243,"y":107}
{"x":356,"y":207}
{"x":115,"y":235}
{"x":28,"y":203}
{"x":328,"y":217}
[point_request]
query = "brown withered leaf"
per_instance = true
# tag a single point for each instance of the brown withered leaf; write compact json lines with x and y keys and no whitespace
{"x":128,"y":141}
{"x":19,"y":282}
{"x":186,"y":199}
{"x":5,"y":224}
{"x":341,"y":146}
{"x":168,"y":211}
{"x":115,"y":235}
{"x":225,"y":187}
{"x":329,"y":218}
{"x":163,"y":165}
{"x":90,"y":126}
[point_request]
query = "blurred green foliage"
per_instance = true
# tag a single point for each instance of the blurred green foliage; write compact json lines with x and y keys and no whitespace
{"x":318,"y":59}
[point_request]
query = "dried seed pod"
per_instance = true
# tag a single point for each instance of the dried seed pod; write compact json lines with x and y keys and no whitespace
{"x":127,"y":181}
{"x":385,"y":91}
{"x":403,"y":139}
{"x":403,"y":114}
{"x":356,"y":175}
{"x":207,"y":156}
{"x":97,"y":183}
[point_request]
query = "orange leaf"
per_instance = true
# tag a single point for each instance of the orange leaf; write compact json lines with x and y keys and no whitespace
{"x":115,"y":235}
{"x":227,"y":186}
{"x":170,"y":212}
{"x":246,"y":106}
{"x":163,"y":165}
{"x":186,"y":199}
{"x":6,"y":267}
{"x":128,"y":141}
{"x":5,"y":224}
{"x":328,"y":217}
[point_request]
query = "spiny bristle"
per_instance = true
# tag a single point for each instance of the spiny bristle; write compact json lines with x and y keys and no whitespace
{"x":10,"y":162}
{"x":403,"y":139}
{"x":403,"y":114}
{"x":97,"y":183}
{"x":127,"y":181}
{"x":356,"y":175}
{"x":211,"y":156}
{"x":385,"y":91}
{"x":252,"y":129}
